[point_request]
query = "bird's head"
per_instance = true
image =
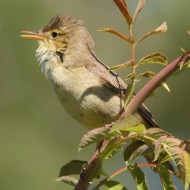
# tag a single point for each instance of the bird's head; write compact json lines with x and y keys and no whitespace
{"x":63,"y":35}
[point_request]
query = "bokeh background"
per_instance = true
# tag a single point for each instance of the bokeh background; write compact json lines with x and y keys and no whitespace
{"x":36,"y":136}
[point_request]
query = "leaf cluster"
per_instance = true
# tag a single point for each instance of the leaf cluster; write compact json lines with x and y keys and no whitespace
{"x":165,"y":154}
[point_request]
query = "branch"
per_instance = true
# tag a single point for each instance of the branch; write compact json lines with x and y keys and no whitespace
{"x":102,"y":182}
{"x":88,"y":174}
{"x":148,"y":89}
{"x":90,"y":171}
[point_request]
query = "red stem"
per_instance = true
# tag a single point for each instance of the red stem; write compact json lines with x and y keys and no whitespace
{"x":145,"y":92}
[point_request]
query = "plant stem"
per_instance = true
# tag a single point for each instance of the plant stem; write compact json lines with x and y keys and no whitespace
{"x":154,"y":83}
{"x":123,"y":170}
{"x":131,"y":86}
{"x":89,"y":174}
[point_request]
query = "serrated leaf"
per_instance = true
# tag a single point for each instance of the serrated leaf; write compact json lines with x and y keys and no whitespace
{"x":162,"y":28}
{"x":68,"y":180}
{"x":123,"y":123}
{"x":139,"y":177}
{"x":134,"y":150}
{"x":140,"y":5}
{"x":175,"y":149}
{"x":158,"y":147}
{"x":156,"y":133}
{"x":122,"y":66}
{"x":154,"y":58}
{"x":112,"y":148}
{"x":115,"y":32}
{"x":114,"y":185}
{"x":165,"y":178}
{"x":93,"y":136}
{"x":72,"y":168}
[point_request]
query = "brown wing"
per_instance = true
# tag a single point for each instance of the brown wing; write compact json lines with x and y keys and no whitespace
{"x":109,"y":79}
{"x":112,"y":81}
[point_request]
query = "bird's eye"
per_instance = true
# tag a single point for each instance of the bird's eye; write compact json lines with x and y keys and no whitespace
{"x":54,"y":34}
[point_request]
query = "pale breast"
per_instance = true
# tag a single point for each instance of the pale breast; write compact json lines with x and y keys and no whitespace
{"x":85,"y":98}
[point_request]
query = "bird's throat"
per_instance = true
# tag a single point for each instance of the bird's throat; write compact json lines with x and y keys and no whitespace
{"x":47,"y":59}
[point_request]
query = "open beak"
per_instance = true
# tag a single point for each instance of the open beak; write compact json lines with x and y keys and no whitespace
{"x":32,"y":35}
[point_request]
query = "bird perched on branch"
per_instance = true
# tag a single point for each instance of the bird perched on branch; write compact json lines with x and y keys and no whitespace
{"x":87,"y":89}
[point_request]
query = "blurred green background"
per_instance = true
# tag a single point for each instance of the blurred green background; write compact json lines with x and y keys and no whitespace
{"x":36,"y":135}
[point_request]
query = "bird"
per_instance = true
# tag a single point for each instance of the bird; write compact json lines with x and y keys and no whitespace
{"x":88,"y":90}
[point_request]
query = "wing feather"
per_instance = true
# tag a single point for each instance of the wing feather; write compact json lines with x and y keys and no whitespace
{"x":112,"y":81}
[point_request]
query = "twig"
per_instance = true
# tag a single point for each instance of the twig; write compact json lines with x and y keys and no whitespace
{"x":122,"y":170}
{"x":148,"y":89}
{"x":89,"y":172}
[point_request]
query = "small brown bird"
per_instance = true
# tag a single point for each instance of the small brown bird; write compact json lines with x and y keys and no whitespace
{"x":88,"y":91}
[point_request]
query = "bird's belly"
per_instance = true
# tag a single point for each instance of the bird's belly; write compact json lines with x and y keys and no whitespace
{"x":93,"y":107}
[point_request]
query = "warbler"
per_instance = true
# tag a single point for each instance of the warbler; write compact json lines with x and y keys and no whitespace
{"x":87,"y":89}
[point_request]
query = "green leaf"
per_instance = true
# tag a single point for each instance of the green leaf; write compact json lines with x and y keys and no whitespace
{"x":138,"y":9}
{"x":139,"y":177}
{"x":122,"y":66}
{"x":154,"y":58}
{"x":137,"y":129}
{"x":134,"y":150}
{"x":172,"y":148}
{"x":158,"y":147}
{"x":72,"y":168}
{"x":68,"y":180}
{"x":114,"y":185}
{"x":93,"y":136}
{"x":162,"y":28}
{"x":165,"y":178}
{"x":153,"y":134}
{"x":176,"y":149}
{"x":126,"y":122}
{"x":111,"y":149}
